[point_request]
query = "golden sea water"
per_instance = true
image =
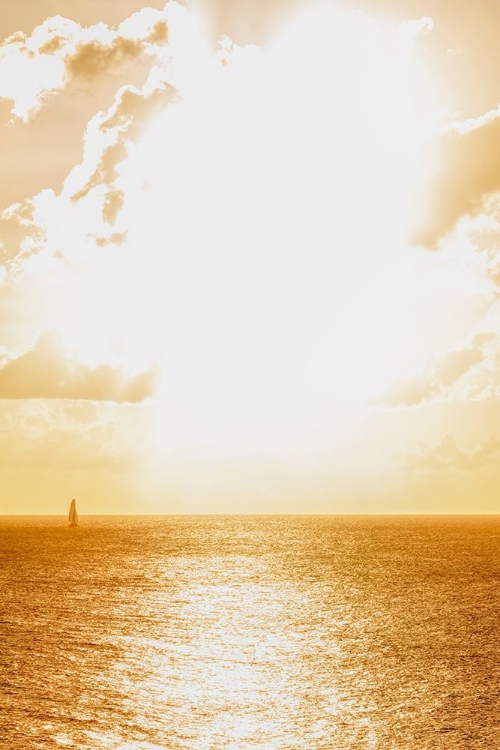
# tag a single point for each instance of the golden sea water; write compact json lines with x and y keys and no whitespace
{"x":210,"y":632}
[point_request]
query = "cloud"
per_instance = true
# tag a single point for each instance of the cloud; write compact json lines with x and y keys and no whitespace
{"x":468,"y":172}
{"x":14,"y":309}
{"x":35,"y":435}
{"x":447,"y":455}
{"x":105,"y":171}
{"x":478,"y":239}
{"x":44,"y":371}
{"x":94,"y":58}
{"x":35,"y":68}
{"x":19,"y":233}
{"x":108,"y":136}
{"x":441,"y":374}
{"x":51,"y":227}
{"x":54,"y":247}
{"x":415,"y":28}
{"x":132,"y":107}
{"x":117,"y":238}
{"x":113,"y":202}
{"x":483,"y":382}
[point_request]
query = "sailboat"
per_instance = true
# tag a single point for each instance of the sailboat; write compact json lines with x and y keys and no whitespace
{"x":73,"y":515}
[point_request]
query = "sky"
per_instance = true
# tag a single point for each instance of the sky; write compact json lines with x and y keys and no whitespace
{"x":249,"y":257}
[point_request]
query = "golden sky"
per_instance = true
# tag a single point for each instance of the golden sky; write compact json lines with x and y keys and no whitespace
{"x":249,"y":256}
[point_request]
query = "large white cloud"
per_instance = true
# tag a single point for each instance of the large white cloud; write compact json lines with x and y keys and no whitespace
{"x":34,"y":68}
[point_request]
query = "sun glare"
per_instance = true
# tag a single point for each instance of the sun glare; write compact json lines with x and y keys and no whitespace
{"x":262,"y":210}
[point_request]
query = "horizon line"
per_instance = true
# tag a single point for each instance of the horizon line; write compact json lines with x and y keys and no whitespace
{"x":351,"y":513}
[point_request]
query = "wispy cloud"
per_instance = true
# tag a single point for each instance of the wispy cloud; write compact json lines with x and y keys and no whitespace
{"x":440,"y":375}
{"x":448,"y":455}
{"x":37,"y":435}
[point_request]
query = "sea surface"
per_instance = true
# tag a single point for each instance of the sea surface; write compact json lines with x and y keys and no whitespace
{"x":207,"y":632}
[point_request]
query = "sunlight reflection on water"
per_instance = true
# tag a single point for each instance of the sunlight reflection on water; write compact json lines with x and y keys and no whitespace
{"x":297,"y":633}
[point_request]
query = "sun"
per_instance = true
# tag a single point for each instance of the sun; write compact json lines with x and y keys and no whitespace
{"x":261,"y":210}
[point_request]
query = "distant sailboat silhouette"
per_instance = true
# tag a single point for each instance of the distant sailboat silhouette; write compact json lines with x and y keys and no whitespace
{"x":73,"y":515}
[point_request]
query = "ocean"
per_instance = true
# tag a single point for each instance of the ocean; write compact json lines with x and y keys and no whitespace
{"x":211,"y":632}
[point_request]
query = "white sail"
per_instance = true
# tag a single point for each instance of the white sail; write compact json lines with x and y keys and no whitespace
{"x":73,"y":515}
